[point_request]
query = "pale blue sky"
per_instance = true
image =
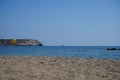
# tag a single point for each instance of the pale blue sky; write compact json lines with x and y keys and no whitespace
{"x":62,"y":22}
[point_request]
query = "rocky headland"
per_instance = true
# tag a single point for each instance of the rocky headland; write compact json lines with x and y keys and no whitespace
{"x":20,"y":42}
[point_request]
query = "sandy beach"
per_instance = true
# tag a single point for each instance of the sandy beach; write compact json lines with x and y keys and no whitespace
{"x":58,"y":68}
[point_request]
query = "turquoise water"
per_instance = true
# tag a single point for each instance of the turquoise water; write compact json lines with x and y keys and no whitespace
{"x":65,"y":51}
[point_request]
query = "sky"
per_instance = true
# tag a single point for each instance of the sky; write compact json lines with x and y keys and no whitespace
{"x":62,"y":22}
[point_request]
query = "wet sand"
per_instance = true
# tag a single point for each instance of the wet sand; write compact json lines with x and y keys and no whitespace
{"x":58,"y":68}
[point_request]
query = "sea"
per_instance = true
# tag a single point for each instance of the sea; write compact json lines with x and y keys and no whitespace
{"x":99,"y":52}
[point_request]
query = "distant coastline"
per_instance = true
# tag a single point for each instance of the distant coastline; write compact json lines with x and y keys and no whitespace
{"x":20,"y":42}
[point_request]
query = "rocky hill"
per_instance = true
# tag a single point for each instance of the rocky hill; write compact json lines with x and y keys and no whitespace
{"x":20,"y":42}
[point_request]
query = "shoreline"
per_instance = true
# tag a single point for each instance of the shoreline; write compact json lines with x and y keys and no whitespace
{"x":58,"y":68}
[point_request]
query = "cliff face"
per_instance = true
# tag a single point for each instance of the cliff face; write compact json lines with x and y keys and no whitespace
{"x":19,"y":42}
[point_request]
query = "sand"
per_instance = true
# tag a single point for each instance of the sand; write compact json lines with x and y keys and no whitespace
{"x":58,"y":68}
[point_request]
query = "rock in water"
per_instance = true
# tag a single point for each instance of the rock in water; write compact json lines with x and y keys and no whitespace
{"x":111,"y":49}
{"x":20,"y":42}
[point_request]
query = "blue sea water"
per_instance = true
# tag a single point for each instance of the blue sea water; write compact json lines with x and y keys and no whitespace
{"x":62,"y":51}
